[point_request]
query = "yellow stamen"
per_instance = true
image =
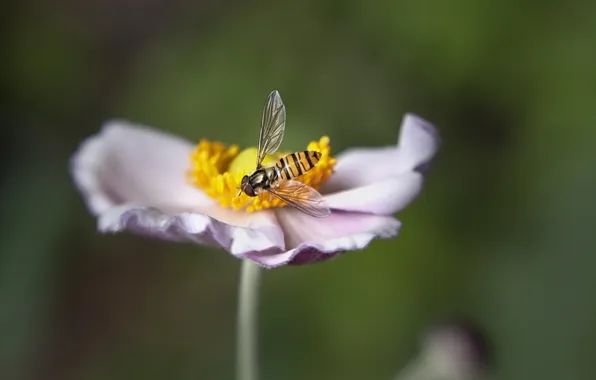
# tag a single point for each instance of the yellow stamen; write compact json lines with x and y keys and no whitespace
{"x":218,"y":170}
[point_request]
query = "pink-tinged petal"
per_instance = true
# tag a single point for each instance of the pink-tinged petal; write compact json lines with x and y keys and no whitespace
{"x":251,"y":234}
{"x":311,"y":239}
{"x":360,"y":167}
{"x":130,"y":163}
{"x":418,"y":142}
{"x":384,"y":197}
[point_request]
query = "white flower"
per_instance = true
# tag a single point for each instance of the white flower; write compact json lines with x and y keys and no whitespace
{"x":149,"y":182}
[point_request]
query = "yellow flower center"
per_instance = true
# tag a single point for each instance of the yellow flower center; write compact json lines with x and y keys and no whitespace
{"x":218,"y":169}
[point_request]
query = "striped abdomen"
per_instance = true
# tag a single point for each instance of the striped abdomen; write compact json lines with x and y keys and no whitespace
{"x":295,"y":164}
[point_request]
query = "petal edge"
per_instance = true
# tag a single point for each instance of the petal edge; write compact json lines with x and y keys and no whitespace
{"x":193,"y":227}
{"x":310,"y":240}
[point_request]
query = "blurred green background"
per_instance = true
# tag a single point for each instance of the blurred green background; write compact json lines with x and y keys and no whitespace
{"x":503,"y":233}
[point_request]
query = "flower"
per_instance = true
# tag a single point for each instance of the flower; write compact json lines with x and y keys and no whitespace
{"x":452,"y":349}
{"x":152,"y":183}
{"x":456,"y":349}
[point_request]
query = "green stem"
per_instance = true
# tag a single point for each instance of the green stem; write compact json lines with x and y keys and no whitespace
{"x":248,"y":303}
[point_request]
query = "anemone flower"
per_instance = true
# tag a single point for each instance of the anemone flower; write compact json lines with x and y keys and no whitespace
{"x":456,"y":350}
{"x":149,"y":182}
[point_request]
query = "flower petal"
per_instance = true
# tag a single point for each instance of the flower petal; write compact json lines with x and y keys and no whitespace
{"x":254,"y":233}
{"x":384,"y":197}
{"x":359,"y":167}
{"x":310,"y":239}
{"x":129,"y":163}
{"x":418,"y":142}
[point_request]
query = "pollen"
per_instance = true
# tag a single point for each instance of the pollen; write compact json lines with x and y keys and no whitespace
{"x":218,"y":169}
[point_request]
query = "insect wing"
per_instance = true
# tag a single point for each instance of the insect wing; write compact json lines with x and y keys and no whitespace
{"x":273,"y":123}
{"x":303,"y":197}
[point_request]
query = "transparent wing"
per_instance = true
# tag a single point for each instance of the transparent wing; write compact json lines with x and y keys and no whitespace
{"x":303,"y":197}
{"x":273,"y":123}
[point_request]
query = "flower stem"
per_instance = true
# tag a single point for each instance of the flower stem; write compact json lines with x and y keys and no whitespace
{"x":247,"y":333}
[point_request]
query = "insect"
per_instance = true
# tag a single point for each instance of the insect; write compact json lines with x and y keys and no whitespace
{"x":279,"y":179}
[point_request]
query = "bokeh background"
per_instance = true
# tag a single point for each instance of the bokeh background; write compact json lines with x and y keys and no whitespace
{"x":503,"y":234}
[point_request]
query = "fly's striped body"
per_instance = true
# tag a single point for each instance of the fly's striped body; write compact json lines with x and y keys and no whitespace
{"x":295,"y":164}
{"x":278,"y":180}
{"x":287,"y":168}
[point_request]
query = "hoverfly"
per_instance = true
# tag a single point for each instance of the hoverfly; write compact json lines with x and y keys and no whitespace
{"x":278,"y":179}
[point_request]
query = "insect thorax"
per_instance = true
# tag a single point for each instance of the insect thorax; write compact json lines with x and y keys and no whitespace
{"x":264,"y":178}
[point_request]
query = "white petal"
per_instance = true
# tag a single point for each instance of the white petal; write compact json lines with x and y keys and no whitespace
{"x":311,"y":239}
{"x":254,"y":233}
{"x":129,"y":163}
{"x":384,"y":197}
{"x":361,"y":166}
{"x":418,"y":142}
